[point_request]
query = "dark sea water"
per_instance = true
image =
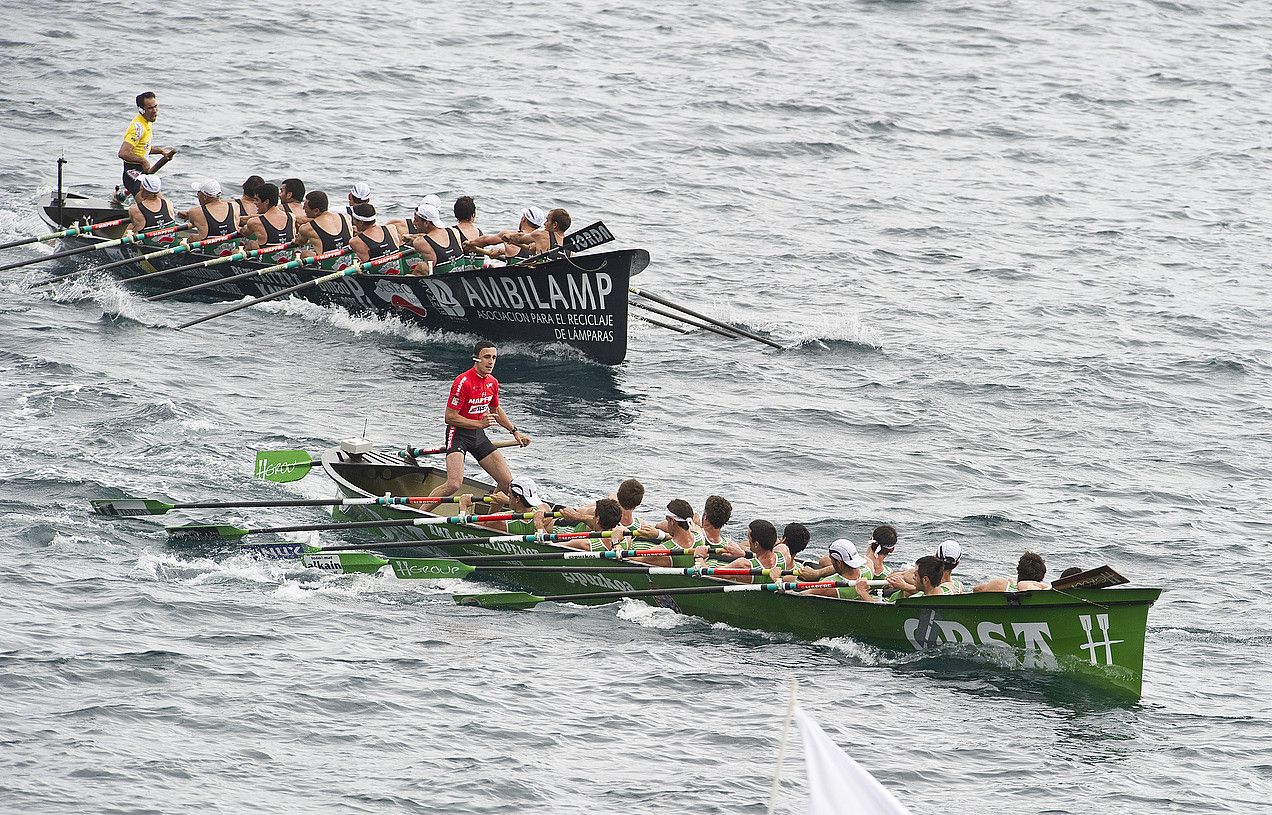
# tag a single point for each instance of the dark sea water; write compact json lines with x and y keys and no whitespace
{"x":1018,"y":253}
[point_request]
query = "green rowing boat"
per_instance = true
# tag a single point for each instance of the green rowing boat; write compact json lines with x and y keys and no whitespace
{"x":1094,"y":635}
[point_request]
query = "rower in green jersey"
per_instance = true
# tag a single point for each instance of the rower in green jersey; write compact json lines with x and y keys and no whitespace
{"x":850,"y":584}
{"x":629,"y":496}
{"x":1030,"y":572}
{"x":761,"y":539}
{"x":607,"y":516}
{"x":948,"y":554}
{"x":522,"y":497}
{"x":883,"y":541}
{"x":676,"y":529}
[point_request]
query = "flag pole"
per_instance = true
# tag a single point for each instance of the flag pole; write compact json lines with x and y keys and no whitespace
{"x":781,"y":753}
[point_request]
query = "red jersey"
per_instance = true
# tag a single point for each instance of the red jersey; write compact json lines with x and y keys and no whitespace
{"x":473,"y":396}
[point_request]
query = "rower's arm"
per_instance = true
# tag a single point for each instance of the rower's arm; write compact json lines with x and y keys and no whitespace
{"x":138,"y":220}
{"x":251,"y":230}
{"x":482,"y":241}
{"x":310,"y":243}
{"x":360,"y":250}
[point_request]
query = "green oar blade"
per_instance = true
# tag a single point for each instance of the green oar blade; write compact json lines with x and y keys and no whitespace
{"x":205,"y":532}
{"x":122,"y":507}
{"x":345,"y":562}
{"x":425,"y":568}
{"x":282,"y":466}
{"x":507,"y":600}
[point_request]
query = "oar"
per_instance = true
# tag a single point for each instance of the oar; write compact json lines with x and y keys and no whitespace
{"x":423,"y":568}
{"x":664,"y":312}
{"x":284,"y":466}
{"x":284,"y":266}
{"x":538,"y":537}
{"x":124,"y":241}
{"x":129,"y":507}
{"x":245,"y":254}
{"x":661,"y":324}
{"x":438,"y":568}
{"x":65,"y":233}
{"x":224,"y":531}
{"x":317,"y":281}
{"x":174,"y":250}
{"x":669,"y":304}
{"x":517,"y":600}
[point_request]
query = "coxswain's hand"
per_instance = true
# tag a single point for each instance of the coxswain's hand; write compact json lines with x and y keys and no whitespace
{"x":522,"y":438}
{"x":169,"y":152}
{"x":487,"y":420}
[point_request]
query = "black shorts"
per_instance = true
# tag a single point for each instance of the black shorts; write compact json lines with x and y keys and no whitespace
{"x":132,"y":178}
{"x":474,"y":442}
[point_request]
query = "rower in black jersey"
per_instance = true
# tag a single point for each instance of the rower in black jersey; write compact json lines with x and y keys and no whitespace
{"x":511,"y":245}
{"x":466,"y":219}
{"x":373,"y":240}
{"x":429,"y":241}
{"x":325,"y":230}
{"x":205,"y":218}
{"x":273,"y":225}
{"x":149,"y":209}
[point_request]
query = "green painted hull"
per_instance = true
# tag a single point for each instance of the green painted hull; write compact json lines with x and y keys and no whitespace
{"x":1093,"y":635}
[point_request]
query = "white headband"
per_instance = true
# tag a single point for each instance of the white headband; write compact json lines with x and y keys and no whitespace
{"x":366,"y":219}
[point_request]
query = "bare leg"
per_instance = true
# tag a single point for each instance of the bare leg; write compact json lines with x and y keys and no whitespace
{"x":497,"y":468}
{"x":454,"y":478}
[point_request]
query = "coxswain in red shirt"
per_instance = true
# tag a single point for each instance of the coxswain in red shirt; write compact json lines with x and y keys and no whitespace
{"x":472,"y":407}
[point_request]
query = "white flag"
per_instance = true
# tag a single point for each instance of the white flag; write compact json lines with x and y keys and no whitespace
{"x":837,"y":785}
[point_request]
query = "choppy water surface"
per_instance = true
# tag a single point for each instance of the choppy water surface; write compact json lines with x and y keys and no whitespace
{"x":1019,"y":252}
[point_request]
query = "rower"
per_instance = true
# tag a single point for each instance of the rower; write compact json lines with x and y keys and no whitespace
{"x":371,"y":240}
{"x":434,"y":243}
{"x":522,"y":497}
{"x":149,"y":210}
{"x":947,"y":554}
{"x":466,"y":218}
{"x":795,"y":538}
{"x":848,"y":577}
{"x":473,"y":406}
{"x":511,"y":243}
{"x":1030,"y":571}
{"x":214,"y":216}
{"x":273,"y":225}
{"x":291,"y":194}
{"x":247,"y":202}
{"x":716,"y":512}
{"x":607,"y":516}
{"x":629,"y":495}
{"x":138,"y":146}
{"x":323,"y":230}
{"x":761,"y":538}
{"x":882,"y":543}
{"x":359,"y":193}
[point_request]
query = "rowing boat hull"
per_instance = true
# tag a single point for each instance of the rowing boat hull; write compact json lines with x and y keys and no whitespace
{"x":1095,"y":636}
{"x":579,"y":301}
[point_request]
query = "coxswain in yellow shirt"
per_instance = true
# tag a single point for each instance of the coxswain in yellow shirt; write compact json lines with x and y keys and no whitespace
{"x":138,"y":146}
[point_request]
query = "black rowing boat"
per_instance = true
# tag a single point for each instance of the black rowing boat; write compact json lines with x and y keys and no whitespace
{"x":579,"y":301}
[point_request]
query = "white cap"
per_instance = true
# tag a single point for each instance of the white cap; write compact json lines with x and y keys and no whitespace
{"x":534,"y":215}
{"x":429,"y":212}
{"x":208,"y":186}
{"x":949,"y":551}
{"x":844,"y":550}
{"x":151,"y":183}
{"x":361,"y":191}
{"x":433,"y":201}
{"x":525,"y":488}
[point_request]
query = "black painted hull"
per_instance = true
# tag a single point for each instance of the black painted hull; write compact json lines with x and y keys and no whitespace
{"x":580,"y":301}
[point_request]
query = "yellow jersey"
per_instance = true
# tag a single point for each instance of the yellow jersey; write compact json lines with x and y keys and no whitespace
{"x":139,"y":135}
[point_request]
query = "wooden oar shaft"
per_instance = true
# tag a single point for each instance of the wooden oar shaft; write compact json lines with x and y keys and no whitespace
{"x":278,"y":267}
{"x":352,"y":270}
{"x":669,"y":304}
{"x":115,"y":264}
{"x":668,"y":313}
{"x":246,"y":254}
{"x":714,"y":589}
{"x":79,"y":250}
{"x":65,"y":233}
